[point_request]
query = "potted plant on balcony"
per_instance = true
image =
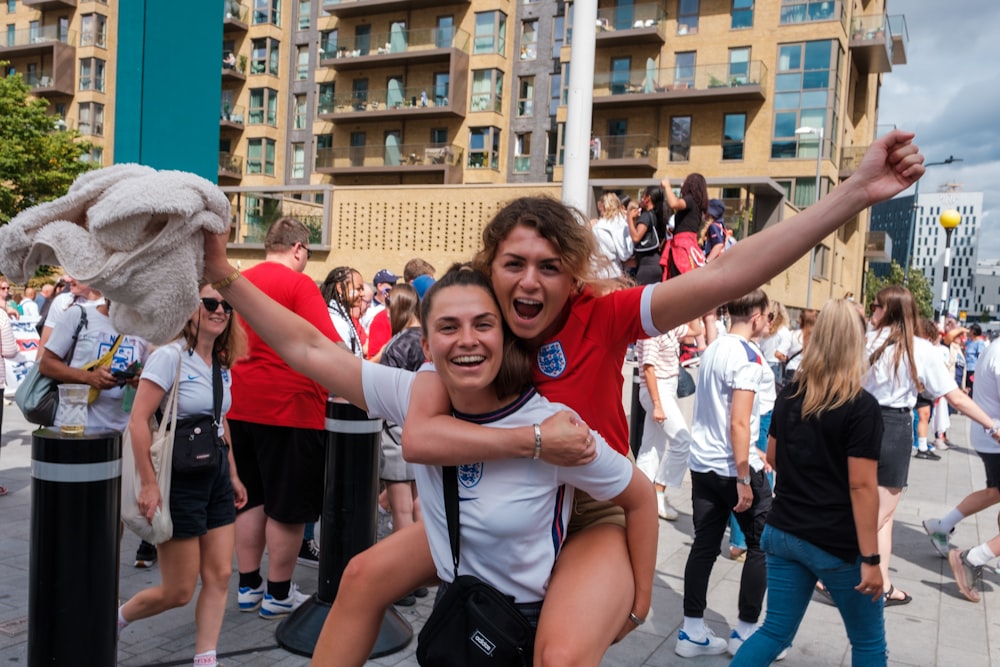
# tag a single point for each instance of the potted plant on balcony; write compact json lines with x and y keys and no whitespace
{"x":241,"y":64}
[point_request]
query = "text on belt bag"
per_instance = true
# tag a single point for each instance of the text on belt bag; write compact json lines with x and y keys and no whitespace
{"x":197,"y":445}
{"x":473,"y":624}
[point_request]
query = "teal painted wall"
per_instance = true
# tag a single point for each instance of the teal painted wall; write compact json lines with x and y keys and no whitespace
{"x":169,"y":85}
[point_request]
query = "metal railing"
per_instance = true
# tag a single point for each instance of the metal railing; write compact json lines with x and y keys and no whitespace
{"x":236,"y":114}
{"x":630,"y":17}
{"x":623,"y":147}
{"x":231,"y":164}
{"x":700,"y":77}
{"x":235,"y":11}
{"x":40,"y":35}
{"x":413,"y":97}
{"x":379,"y":155}
{"x":398,"y":41}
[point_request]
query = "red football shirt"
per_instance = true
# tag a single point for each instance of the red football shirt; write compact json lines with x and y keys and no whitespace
{"x":581,"y":365}
{"x":379,"y":332}
{"x":265,"y":389}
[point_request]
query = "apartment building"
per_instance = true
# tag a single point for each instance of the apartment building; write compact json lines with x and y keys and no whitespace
{"x":764,"y":99}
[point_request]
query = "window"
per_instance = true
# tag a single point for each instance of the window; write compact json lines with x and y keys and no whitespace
{"x":267,"y":11}
{"x":325,"y":100}
{"x":90,"y":118}
{"x":301,"y":113}
{"x":805,"y":191}
{"x":298,"y":160}
{"x":687,"y":17}
{"x":11,"y":6}
{"x":92,"y":74}
{"x":11,"y":34}
{"x":821,"y":262}
{"x":734,"y":127}
{"x":445,"y":32}
{"x":324,"y":141}
{"x":529,"y":39}
{"x":95,"y":156}
{"x":305,"y":9}
{"x":522,"y":152}
{"x":264,"y":56}
{"x":555,"y":93}
{"x":742,"y":15}
{"x":684,"y":68}
{"x":441,"y":82}
{"x":680,"y":138}
{"x":621,"y":70}
{"x":525,"y":95}
{"x":487,"y":90}
{"x":739,"y":65}
{"x":362,"y":39}
{"x":439,"y":136}
{"x":33,"y":31}
{"x":804,"y":95}
{"x":328,"y":44}
{"x":491,"y":32}
{"x":484,"y":147}
{"x":804,"y":11}
{"x":260,"y":156}
{"x":263,"y":106}
{"x":359,"y":94}
{"x":302,"y":63}
{"x":558,"y":33}
{"x":93,"y":30}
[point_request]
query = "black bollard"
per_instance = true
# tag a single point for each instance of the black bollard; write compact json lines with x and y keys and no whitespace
{"x":637,"y":419}
{"x":347,"y":528}
{"x":73,"y":564}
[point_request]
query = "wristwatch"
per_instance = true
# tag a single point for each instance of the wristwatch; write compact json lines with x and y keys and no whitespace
{"x":874,"y":559}
{"x":743,"y":480}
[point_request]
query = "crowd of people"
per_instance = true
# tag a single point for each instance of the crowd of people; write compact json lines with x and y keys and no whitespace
{"x":510,"y":368}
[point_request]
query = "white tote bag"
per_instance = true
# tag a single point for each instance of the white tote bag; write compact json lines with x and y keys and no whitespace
{"x":161,"y":451}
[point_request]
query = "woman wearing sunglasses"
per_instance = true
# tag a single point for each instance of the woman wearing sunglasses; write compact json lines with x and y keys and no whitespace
{"x":203,"y":503}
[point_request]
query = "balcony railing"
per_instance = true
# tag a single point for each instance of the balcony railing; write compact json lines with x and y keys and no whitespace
{"x":640,"y":147}
{"x":721,"y":79}
{"x":230,"y":166}
{"x":234,"y":117}
{"x":401,"y":156}
{"x":235,"y":15}
{"x":631,"y":25}
{"x":870,"y":43}
{"x":900,"y":38}
{"x":41,"y":35}
{"x":411,"y":98}
{"x":402,"y":41}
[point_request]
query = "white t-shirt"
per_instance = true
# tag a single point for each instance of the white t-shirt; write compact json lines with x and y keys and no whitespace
{"x":895,"y":388}
{"x":97,"y":338}
{"x":62,"y":302}
{"x":345,"y":329}
{"x":513,"y":512}
{"x":781,"y":341}
{"x":728,"y":364}
{"x":194,"y":394}
{"x":764,"y":402}
{"x":614,"y":243}
{"x":988,"y":397}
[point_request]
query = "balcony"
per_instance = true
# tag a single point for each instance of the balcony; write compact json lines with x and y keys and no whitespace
{"x":38,"y":41}
{"x":235,"y":17}
{"x":393,"y":102}
{"x":397,"y":47}
{"x":624,"y":152}
{"x":232,"y":118}
{"x":49,"y":4}
{"x":850,"y":158}
{"x":631,"y":25}
{"x":870,"y":44}
{"x":704,"y":83}
{"x":233,"y":73}
{"x":46,"y":84}
{"x":392,"y":159}
{"x":900,"y":38}
{"x":230,"y":166}
{"x":348,"y":8}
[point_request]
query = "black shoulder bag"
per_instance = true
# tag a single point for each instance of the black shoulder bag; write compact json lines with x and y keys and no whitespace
{"x":197,"y":444}
{"x":473,"y":624}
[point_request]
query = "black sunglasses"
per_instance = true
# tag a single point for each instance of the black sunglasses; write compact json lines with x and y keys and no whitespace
{"x":211,"y":305}
{"x":309,"y":252}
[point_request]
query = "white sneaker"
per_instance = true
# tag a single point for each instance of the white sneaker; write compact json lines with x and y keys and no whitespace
{"x":666,"y":511}
{"x":688,"y":647}
{"x":735,"y":642}
{"x":271,"y":608}
{"x":250,"y":598}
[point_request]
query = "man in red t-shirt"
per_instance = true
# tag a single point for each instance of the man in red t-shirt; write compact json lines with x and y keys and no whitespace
{"x":277,"y":425}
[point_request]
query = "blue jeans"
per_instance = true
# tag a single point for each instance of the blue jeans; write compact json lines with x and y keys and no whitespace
{"x":793,"y":566}
{"x":736,"y":537}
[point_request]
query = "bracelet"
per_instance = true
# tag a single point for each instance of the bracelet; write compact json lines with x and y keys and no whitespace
{"x":538,"y":442}
{"x":993,"y":431}
{"x":227,"y":281}
{"x":635,"y":619}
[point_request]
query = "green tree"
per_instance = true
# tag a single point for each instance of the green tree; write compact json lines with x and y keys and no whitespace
{"x":918,"y":286}
{"x":37,"y":161}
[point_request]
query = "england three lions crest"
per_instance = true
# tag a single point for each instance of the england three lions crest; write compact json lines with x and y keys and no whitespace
{"x":469,"y":474}
{"x":552,"y":359}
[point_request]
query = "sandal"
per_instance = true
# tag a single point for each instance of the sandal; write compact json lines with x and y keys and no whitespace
{"x":891,"y":601}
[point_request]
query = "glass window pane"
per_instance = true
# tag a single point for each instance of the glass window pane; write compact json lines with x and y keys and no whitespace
{"x":784,"y":82}
{"x":818,"y":55}
{"x":815,"y":98}
{"x":785,"y":124}
{"x":820,"y":79}
{"x":789,"y":57}
{"x":786,"y":101}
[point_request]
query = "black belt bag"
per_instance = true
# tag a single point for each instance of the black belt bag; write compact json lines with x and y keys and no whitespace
{"x":197,"y":445}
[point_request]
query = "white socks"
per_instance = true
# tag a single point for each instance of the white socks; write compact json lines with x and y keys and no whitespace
{"x":695,"y":627}
{"x":745,"y":629}
{"x":950,"y":520}
{"x":980,"y":555}
{"x":206,"y":659}
{"x":121,"y":620}
{"x":922,"y":444}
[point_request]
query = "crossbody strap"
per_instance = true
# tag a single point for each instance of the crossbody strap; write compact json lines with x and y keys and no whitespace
{"x":450,"y":484}
{"x":216,"y":390}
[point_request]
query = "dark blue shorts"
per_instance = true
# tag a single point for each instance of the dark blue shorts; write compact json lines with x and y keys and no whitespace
{"x":201,"y":501}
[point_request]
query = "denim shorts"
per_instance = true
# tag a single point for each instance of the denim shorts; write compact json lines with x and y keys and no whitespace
{"x":897,"y":448}
{"x":203,"y":500}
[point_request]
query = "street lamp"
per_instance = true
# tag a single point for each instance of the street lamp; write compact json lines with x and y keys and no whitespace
{"x":913,"y":216}
{"x":949,"y":220}
{"x":818,"y":131}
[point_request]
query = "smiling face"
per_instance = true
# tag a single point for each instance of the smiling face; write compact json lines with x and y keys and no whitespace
{"x":464,"y":339}
{"x":531,"y":283}
{"x":212,"y":321}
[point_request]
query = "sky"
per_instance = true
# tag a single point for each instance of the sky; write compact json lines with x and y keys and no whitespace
{"x":949,"y":94}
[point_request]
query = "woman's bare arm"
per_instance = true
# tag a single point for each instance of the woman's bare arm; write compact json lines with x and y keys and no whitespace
{"x":641,"y":534}
{"x":892,"y":164}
